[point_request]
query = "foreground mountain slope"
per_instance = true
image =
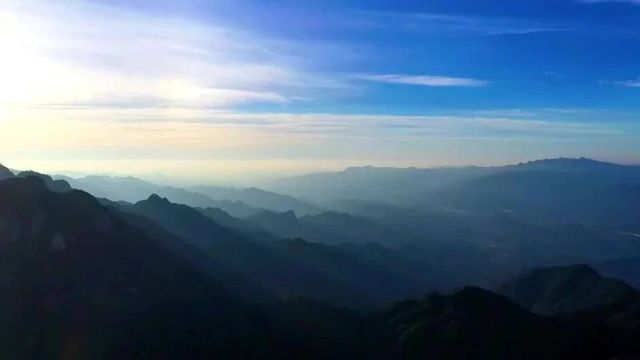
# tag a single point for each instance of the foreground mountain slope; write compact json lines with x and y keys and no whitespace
{"x":74,"y":277}
{"x":565,"y":289}
{"x":478,"y":324}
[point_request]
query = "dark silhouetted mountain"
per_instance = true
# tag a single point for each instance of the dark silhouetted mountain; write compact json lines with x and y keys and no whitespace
{"x":241,"y":286}
{"x":384,"y":283}
{"x":625,"y":268}
{"x":348,"y":237}
{"x":565,"y":289}
{"x":333,"y":241}
{"x":478,"y":324}
{"x":469,"y":324}
{"x":342,"y":275}
{"x":326,"y":331}
{"x":5,"y":173}
{"x":53,"y":185}
{"x":74,"y":277}
{"x":457,"y":249}
{"x":260,"y":199}
{"x":80,"y":278}
{"x":275,"y":271}
{"x":472,"y":323}
{"x":468,"y":248}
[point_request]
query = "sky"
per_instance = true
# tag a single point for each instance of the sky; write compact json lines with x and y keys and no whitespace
{"x":241,"y":90}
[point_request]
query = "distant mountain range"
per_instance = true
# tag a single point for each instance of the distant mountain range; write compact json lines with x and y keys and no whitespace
{"x":471,"y":225}
{"x":260,"y":198}
{"x":156,"y":279}
{"x":290,"y":277}
{"x":395,"y":186}
{"x":557,"y":191}
{"x":238,"y":202}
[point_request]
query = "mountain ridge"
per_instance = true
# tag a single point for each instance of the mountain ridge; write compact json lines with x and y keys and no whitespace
{"x":565,"y":289}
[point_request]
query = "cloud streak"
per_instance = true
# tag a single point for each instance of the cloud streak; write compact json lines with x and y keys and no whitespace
{"x":423,"y":80}
{"x":458,"y":24}
{"x":629,"y":83}
{"x":609,"y":1}
{"x":83,"y":53}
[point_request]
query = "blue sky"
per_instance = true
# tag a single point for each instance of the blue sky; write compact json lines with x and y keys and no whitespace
{"x":236,"y":89}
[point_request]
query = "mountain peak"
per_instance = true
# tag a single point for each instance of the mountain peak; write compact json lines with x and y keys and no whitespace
{"x":157,"y":198}
{"x":563,"y":163}
{"x":53,"y":185}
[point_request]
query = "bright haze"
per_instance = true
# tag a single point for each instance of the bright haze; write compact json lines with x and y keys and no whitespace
{"x":232,"y":90}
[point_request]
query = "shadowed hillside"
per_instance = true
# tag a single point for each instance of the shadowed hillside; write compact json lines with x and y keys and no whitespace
{"x":73,"y":274}
{"x":569,"y":289}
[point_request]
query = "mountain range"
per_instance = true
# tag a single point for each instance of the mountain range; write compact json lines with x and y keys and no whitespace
{"x":104,"y":273}
{"x":238,"y":202}
{"x":552,"y":191}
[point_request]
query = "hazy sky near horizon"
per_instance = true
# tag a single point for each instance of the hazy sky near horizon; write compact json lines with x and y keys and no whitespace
{"x":241,"y":89}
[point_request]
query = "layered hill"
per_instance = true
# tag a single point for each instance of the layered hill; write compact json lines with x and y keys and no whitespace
{"x":152,"y":280}
{"x":280,"y":267}
{"x":236,"y":201}
{"x":76,"y":278}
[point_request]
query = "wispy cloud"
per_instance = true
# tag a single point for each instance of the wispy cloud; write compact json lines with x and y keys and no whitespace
{"x":423,"y":80}
{"x":425,"y":22}
{"x":610,"y":1}
{"x":82,"y":54}
{"x":629,"y":83}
